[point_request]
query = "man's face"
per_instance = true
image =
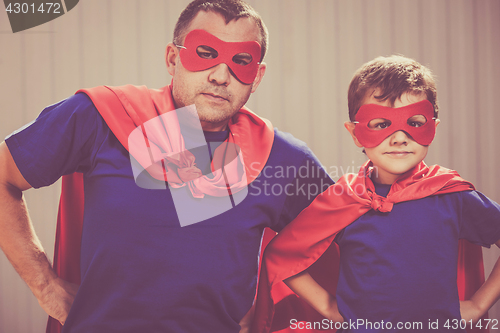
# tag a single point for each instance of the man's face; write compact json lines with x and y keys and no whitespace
{"x":217,"y":94}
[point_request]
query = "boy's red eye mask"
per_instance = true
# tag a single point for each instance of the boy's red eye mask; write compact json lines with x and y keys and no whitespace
{"x":196,"y":59}
{"x":399,"y":119}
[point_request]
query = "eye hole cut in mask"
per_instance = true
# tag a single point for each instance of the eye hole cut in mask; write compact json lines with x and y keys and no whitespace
{"x":202,"y":50}
{"x":409,"y":119}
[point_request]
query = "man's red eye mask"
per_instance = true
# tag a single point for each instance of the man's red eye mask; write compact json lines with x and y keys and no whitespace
{"x":398,"y":117}
{"x":226,"y":51}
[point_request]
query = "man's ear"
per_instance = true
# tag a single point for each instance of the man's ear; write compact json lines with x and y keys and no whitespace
{"x":437,"y":121}
{"x":350,"y":128}
{"x":171,"y":56}
{"x":260,"y":74}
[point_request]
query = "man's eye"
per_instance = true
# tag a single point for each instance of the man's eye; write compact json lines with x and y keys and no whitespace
{"x":206,"y":52}
{"x":242,"y":59}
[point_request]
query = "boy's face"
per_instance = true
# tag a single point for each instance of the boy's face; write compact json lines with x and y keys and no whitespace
{"x":398,"y":153}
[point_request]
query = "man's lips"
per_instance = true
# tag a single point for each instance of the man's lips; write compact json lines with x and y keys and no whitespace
{"x":215,"y":97}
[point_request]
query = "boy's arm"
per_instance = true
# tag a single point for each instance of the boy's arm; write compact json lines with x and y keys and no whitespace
{"x":315,"y":295}
{"x":22,"y":247}
{"x":485,"y":297}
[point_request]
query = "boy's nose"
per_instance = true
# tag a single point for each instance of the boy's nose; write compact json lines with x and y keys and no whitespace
{"x":220,"y":75}
{"x":399,"y":138}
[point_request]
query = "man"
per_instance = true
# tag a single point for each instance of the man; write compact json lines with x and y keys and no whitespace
{"x":143,"y":268}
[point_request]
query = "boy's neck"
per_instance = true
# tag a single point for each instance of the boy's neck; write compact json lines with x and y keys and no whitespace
{"x":383,"y":177}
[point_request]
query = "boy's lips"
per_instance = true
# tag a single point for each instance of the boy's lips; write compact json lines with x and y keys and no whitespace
{"x":398,"y":153}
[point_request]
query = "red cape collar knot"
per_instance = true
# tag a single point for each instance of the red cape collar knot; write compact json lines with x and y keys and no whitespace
{"x":419,"y":182}
{"x":145,"y":123}
{"x":380,"y":203}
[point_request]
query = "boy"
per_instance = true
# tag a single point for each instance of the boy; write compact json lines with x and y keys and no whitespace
{"x":397,"y":223}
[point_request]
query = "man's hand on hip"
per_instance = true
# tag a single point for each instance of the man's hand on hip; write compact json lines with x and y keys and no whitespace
{"x":56,"y":299}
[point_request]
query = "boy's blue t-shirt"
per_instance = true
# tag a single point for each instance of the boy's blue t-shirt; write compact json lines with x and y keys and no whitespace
{"x":400,"y":268}
{"x":140,"y":270}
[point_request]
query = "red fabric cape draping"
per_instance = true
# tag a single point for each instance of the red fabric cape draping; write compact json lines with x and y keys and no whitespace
{"x":124,"y":109}
{"x":308,"y":239}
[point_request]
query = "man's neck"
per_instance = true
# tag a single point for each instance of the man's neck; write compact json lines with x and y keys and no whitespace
{"x":214,"y":127}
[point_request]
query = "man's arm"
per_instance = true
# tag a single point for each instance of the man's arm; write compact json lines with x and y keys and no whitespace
{"x":485,"y":297}
{"x":23,"y":248}
{"x":315,"y":295}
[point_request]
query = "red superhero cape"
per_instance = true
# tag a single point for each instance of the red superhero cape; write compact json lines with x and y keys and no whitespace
{"x":309,"y":237}
{"x":124,"y":109}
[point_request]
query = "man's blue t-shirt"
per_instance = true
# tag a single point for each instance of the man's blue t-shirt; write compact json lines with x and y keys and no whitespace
{"x":398,"y":270}
{"x":140,"y":270}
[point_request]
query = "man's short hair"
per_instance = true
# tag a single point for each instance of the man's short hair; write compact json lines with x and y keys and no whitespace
{"x":230,"y":9}
{"x":392,"y":76}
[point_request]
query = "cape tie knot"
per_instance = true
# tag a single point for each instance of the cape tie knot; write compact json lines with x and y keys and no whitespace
{"x":184,"y":165}
{"x":381,"y":204}
{"x":189,"y":173}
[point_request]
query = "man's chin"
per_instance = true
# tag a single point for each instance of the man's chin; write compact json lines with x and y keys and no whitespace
{"x":214,"y":116}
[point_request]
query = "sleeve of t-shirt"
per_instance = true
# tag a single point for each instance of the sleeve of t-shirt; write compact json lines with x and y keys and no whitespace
{"x":310,"y":181}
{"x":57,"y":143}
{"x":480,"y":219}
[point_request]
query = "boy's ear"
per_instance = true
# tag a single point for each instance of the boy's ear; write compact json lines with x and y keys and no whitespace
{"x":437,"y":121}
{"x":350,"y":128}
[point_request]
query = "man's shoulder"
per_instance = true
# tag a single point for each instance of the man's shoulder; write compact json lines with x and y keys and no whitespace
{"x":287,"y":142}
{"x":77,"y":103}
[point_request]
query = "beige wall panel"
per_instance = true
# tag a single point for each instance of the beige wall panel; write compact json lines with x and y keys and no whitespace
{"x":296,"y":79}
{"x":494,"y":86}
{"x":435,"y":55}
{"x":95,"y":36}
{"x":66,"y":55}
{"x":461,"y":84}
{"x":486,"y":112}
{"x":406,"y":28}
{"x":153,"y":37}
{"x":325,"y":94}
{"x":11,"y":84}
{"x":37,"y":76}
{"x":378,"y":31}
{"x":124,"y":40}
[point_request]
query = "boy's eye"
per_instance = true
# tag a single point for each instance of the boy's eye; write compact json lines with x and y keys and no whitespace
{"x":242,"y":59}
{"x":206,"y":52}
{"x":379,"y":123}
{"x":417,"y":121}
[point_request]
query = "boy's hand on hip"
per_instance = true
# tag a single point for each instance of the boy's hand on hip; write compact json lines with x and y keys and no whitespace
{"x":470,"y":311}
{"x":57,"y":297}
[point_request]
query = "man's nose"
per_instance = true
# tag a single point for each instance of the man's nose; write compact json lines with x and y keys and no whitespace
{"x":220,"y":75}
